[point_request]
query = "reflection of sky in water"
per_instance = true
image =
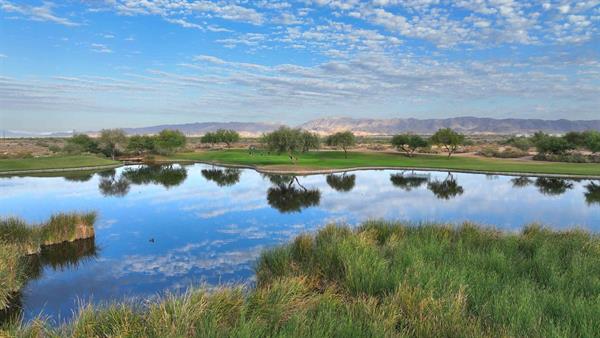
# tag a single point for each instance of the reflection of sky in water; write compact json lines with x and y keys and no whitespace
{"x":204,"y":233}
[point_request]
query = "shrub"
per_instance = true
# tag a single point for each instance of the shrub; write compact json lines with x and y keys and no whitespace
{"x":506,"y":153}
{"x":592,"y":140}
{"x":547,"y":144}
{"x":521,"y":143}
{"x":570,"y":157}
{"x":81,"y":143}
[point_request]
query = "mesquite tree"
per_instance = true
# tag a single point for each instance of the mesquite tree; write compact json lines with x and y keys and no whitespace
{"x":449,"y":139}
{"x":342,"y":140}
{"x":408,"y":143}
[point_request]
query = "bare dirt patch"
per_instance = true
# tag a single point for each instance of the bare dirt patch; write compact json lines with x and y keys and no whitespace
{"x":25,"y":147}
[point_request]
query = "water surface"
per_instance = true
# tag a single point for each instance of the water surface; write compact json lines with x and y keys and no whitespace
{"x":170,"y":227}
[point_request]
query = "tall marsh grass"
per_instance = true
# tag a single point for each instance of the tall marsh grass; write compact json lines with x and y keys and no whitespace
{"x":382,"y":280}
{"x":18,"y":239}
{"x":10,"y":272}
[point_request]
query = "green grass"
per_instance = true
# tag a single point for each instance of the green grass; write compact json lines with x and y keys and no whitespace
{"x":11,"y":272}
{"x":19,"y":239}
{"x":336,"y":160}
{"x":382,"y":280}
{"x":54,"y":162}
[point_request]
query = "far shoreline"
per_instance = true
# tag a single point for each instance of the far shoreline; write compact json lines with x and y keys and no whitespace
{"x":309,"y":172}
{"x":285,"y":168}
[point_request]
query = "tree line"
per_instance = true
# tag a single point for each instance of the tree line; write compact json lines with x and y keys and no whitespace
{"x":589,"y":140}
{"x":295,"y":141}
{"x":114,"y":142}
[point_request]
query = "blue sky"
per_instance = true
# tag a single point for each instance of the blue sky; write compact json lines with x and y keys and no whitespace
{"x":88,"y":65}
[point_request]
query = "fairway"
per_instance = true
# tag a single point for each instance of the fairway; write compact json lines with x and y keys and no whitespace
{"x":322,"y":160}
{"x":50,"y":163}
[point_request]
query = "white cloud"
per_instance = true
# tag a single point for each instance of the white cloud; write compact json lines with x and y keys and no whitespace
{"x":36,"y":13}
{"x":288,"y":19}
{"x":349,"y":57}
{"x":356,"y":84}
{"x":173,"y":9}
{"x":184,"y":23}
{"x":486,"y":23}
{"x":564,"y":9}
{"x":100,"y":48}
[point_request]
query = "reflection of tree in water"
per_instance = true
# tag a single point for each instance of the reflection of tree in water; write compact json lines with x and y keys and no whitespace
{"x":521,"y":181}
{"x":222,"y":177}
{"x":446,"y":189}
{"x":110,"y":185}
{"x":166,"y":175}
{"x":279,"y":179}
{"x":107,"y":173}
{"x":553,"y":186}
{"x":408,"y":182}
{"x":592,"y":195}
{"x":78,"y":177}
{"x":341,"y":183}
{"x":68,"y":255}
{"x":288,"y":195}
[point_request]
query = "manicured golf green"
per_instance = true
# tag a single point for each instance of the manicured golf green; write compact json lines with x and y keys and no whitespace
{"x":54,"y":162}
{"x":321,"y":160}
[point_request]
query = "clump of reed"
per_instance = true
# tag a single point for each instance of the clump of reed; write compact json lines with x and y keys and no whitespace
{"x":11,"y":272}
{"x":62,"y":227}
{"x":16,"y":232}
{"x":18,"y":239}
{"x":68,"y":227}
{"x":382,"y":280}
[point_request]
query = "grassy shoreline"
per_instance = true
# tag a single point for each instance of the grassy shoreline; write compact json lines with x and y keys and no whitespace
{"x":315,"y":162}
{"x":381,"y":279}
{"x":318,"y":162}
{"x":38,"y":164}
{"x":19,"y":239}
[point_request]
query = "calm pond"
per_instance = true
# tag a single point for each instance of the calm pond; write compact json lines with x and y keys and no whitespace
{"x":171,"y":227}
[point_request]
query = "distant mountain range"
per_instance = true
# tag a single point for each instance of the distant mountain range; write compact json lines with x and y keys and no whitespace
{"x":467,"y":125}
{"x":23,"y":133}
{"x":248,"y":129}
{"x":196,"y":129}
